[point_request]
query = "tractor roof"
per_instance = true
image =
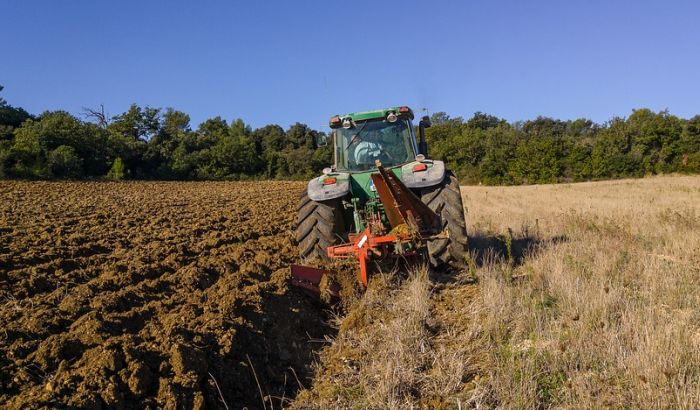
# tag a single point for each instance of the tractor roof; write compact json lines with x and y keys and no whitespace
{"x":369,"y":115}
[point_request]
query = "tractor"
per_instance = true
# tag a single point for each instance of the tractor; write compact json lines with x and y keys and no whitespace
{"x":382,"y":199}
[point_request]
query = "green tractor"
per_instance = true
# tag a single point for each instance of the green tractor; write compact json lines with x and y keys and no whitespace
{"x":382,"y":179}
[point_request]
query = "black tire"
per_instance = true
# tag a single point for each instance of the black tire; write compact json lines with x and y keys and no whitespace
{"x":446,"y":200}
{"x":318,"y":226}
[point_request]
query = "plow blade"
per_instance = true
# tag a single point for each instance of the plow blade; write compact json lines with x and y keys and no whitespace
{"x":314,"y":281}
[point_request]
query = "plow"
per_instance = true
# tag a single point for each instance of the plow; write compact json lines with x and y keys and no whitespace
{"x":382,"y":202}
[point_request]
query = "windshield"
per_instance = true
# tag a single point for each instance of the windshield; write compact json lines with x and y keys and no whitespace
{"x":357,"y":148}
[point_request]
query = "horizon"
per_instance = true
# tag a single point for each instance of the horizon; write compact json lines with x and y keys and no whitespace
{"x":306,"y":62}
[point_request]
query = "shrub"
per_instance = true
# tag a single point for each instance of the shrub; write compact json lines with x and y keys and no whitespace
{"x":63,"y":162}
{"x":116,"y":173}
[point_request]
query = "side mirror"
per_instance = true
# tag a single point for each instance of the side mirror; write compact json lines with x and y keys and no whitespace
{"x":321,"y":140}
{"x":425,"y":122}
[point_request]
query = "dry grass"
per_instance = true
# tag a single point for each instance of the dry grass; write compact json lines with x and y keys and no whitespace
{"x":587,"y":297}
{"x":606,"y":312}
{"x":391,"y":352}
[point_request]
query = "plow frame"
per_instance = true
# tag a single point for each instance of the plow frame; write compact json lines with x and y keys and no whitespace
{"x":366,"y":246}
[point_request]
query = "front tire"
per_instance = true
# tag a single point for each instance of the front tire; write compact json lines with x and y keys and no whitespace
{"x":445,"y":199}
{"x":318,"y":226}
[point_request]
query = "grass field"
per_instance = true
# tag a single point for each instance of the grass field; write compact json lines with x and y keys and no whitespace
{"x":603,"y":310}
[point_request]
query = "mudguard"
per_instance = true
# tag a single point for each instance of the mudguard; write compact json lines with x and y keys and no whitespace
{"x":433,"y":175}
{"x":319,"y":192}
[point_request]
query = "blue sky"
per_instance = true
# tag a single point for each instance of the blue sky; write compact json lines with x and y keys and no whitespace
{"x":287,"y":61}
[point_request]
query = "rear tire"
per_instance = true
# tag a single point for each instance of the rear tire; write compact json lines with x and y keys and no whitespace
{"x":446,"y":200}
{"x":318,"y":226}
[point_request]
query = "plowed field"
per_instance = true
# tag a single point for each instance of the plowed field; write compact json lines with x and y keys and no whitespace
{"x":138,"y":295}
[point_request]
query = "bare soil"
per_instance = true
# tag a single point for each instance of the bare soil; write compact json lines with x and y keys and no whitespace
{"x":151,"y":295}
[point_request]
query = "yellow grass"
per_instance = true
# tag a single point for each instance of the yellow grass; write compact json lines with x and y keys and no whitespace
{"x":604,"y":310}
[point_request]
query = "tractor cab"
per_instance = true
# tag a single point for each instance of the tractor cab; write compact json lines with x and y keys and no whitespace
{"x":359,"y":144}
{"x":360,"y":139}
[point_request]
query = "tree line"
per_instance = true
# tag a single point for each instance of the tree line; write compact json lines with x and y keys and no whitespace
{"x":486,"y":149}
{"x":152,"y":143}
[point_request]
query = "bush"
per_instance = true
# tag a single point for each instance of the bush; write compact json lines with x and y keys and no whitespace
{"x":4,"y":154}
{"x":63,"y":162}
{"x":116,"y":173}
{"x":690,"y":163}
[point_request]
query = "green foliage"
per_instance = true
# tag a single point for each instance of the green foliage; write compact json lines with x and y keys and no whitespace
{"x":487,"y":150}
{"x":689,"y":158}
{"x":116,"y":172}
{"x":63,"y":162}
{"x":150,"y":143}
{"x":232,"y":156}
{"x":5,"y":147}
{"x":539,"y":153}
{"x":10,"y":119}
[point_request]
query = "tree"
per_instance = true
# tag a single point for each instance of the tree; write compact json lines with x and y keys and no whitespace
{"x":5,"y":147}
{"x":299,"y":135}
{"x":269,"y":141}
{"x":63,"y":162}
{"x":185,"y":158}
{"x":175,"y":123}
{"x":655,"y":139}
{"x":612,"y":156}
{"x":94,"y":149}
{"x":690,"y":146}
{"x":227,"y":152}
{"x":578,"y":141}
{"x":441,"y":136}
{"x":484,"y":121}
{"x":500,"y":144}
{"x":97,"y":115}
{"x":137,"y":123}
{"x":441,"y":118}
{"x":539,"y":154}
{"x":10,"y":118}
{"x":174,"y":127}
